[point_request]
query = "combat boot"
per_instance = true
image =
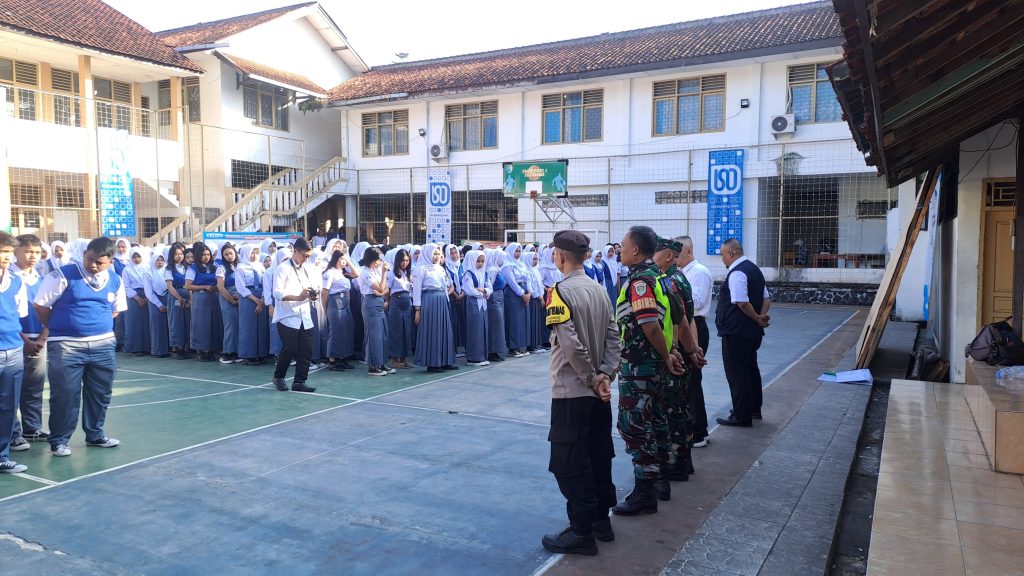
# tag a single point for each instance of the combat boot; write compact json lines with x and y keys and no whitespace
{"x":681,"y":470}
{"x":603,"y":530}
{"x":642,"y":500}
{"x":661,"y":486}
{"x":569,"y":541}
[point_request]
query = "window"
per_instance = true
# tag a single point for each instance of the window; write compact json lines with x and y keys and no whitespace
{"x":20,"y":79}
{"x":811,"y":96}
{"x":386,"y":133}
{"x":70,"y":198}
{"x":472,"y":126}
{"x":249,"y":175}
{"x":266,"y":105}
{"x":144,"y":121}
{"x":67,"y":110}
{"x":163,"y":103}
{"x":573,"y":117}
{"x":681,"y":197}
{"x":113,"y":104}
{"x":26,"y":195}
{"x":150,"y":226}
{"x":190,"y":96}
{"x":874,"y":209}
{"x":26,"y":221}
{"x":590,"y":200}
{"x":689,"y":106}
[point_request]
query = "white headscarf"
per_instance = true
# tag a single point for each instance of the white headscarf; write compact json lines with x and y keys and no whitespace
{"x":357,"y":253}
{"x":495,"y":262}
{"x":454,"y":268}
{"x":245,"y":253}
{"x":265,"y":245}
{"x":479,"y":273}
{"x":65,"y":258}
{"x":510,"y":256}
{"x":124,"y":258}
{"x":612,"y":261}
{"x":77,"y":249}
{"x":389,"y":257}
{"x":137,"y":272}
{"x":533,"y":268}
{"x":427,"y":255}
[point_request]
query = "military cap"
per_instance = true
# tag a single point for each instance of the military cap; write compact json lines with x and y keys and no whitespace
{"x":669,"y":244}
{"x":572,"y":241}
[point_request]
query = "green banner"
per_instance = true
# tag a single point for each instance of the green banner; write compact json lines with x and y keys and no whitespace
{"x":531,"y":179}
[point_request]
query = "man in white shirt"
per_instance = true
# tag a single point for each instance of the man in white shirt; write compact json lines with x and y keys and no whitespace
{"x":76,"y":303}
{"x":701,"y":283}
{"x":741,"y":318}
{"x":296,"y":286}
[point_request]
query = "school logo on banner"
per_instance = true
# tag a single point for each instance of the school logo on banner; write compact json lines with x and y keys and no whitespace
{"x":439,"y":206}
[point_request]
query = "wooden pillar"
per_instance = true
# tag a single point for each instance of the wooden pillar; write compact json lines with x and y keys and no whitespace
{"x":90,"y":222}
{"x":46,"y":92}
{"x":177,"y":116}
{"x":1018,"y":250}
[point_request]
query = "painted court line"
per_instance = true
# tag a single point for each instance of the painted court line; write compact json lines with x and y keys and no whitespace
{"x":326,"y":452}
{"x":140,"y":379}
{"x":37,"y":479}
{"x":192,"y":379}
{"x":229,"y":437}
{"x":187,"y":397}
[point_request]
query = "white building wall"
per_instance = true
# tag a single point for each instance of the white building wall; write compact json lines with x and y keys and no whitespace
{"x":965,"y":268}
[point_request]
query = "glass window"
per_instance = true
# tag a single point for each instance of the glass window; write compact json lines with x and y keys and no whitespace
{"x":573,"y":116}
{"x":192,"y":101}
{"x":250,"y":103}
{"x":386,"y":133}
{"x":801,"y":103}
{"x":267,"y":109}
{"x":811,"y":96}
{"x":490,"y":132}
{"x":102,"y":88}
{"x":826,"y":105}
{"x":472,"y":126}
{"x":689,"y":105}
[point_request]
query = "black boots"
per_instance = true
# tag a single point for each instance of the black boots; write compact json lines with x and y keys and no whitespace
{"x":661,"y":486}
{"x":681,"y":470}
{"x":569,"y":541}
{"x":603,"y":530}
{"x":642,"y":500}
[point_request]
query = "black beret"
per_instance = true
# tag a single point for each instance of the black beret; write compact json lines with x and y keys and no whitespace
{"x":572,"y":241}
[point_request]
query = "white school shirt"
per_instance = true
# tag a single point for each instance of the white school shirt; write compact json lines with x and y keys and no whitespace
{"x":738,"y":284}
{"x":21,"y":298}
{"x":53,"y":287}
{"x":701,"y":283}
{"x":28,"y":277}
{"x":428,"y":278}
{"x":397,"y":285}
{"x":155,"y":289}
{"x":335,"y":281}
{"x":367,"y":278}
{"x":471,"y":290}
{"x":245,"y":276}
{"x":290,"y":280}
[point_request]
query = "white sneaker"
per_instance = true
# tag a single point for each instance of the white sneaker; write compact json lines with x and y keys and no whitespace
{"x":314,"y":368}
{"x":701,"y":444}
{"x":389,"y":369}
{"x":104,"y":443}
{"x":19,"y":445}
{"x":484,"y":363}
{"x":61,"y":450}
{"x":11,"y":467}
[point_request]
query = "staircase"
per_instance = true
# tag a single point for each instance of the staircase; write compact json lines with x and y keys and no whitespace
{"x":284,"y":194}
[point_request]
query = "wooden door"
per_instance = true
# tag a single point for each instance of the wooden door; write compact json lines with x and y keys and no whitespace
{"x":997,"y":271}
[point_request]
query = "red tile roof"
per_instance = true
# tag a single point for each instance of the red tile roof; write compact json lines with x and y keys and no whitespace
{"x":274,"y":74}
{"x":90,"y":24}
{"x":673,"y":45}
{"x":211,"y":32}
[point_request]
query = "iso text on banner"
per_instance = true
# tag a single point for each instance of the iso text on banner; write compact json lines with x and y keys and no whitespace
{"x":439,"y":206}
{"x":725,"y":198}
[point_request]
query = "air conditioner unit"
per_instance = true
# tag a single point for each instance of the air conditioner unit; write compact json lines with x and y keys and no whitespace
{"x":439,"y":152}
{"x":783,"y":124}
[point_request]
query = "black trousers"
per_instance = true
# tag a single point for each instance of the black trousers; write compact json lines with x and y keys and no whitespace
{"x":581,"y":458}
{"x":739,"y":355}
{"x":696,"y":389}
{"x":296,"y":344}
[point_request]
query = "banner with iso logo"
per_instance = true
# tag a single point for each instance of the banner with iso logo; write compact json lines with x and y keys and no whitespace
{"x":725,"y":197}
{"x":439,"y":206}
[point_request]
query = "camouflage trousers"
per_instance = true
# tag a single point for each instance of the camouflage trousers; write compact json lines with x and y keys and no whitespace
{"x":643,"y":422}
{"x":677,"y":412}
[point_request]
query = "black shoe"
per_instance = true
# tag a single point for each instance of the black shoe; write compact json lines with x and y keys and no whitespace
{"x":337,"y":367}
{"x":252,"y":362}
{"x":642,"y":500}
{"x":301,"y":387}
{"x":450,"y":367}
{"x":603,"y":530}
{"x":756,"y":415}
{"x":569,"y":541}
{"x":345,"y":365}
{"x":495,"y":358}
{"x":662,"y":487}
{"x":732,"y":421}
{"x":434,"y":369}
{"x":280,"y":384}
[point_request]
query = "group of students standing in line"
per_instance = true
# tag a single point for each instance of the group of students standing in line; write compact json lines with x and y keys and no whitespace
{"x":388,"y":307}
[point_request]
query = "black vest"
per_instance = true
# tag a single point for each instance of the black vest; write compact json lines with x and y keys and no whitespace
{"x":729,"y":319}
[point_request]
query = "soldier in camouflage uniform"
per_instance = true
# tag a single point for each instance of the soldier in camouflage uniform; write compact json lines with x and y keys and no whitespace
{"x":647,"y":361}
{"x":676,"y":463}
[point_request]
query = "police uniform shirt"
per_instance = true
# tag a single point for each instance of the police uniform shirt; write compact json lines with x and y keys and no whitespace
{"x":584,"y":336}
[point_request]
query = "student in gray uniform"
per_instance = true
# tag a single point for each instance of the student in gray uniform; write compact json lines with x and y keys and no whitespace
{"x":400,"y":312}
{"x":373,"y":287}
{"x":435,"y":349}
{"x":337,"y":300}
{"x":496,"y":343}
{"x":136,"y":323}
{"x":178,"y":317}
{"x":477,"y":288}
{"x":156,"y":296}
{"x":228,"y":302}
{"x":253,"y":326}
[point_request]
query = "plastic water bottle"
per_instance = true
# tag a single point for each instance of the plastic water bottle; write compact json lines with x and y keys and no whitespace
{"x":1011,"y":378}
